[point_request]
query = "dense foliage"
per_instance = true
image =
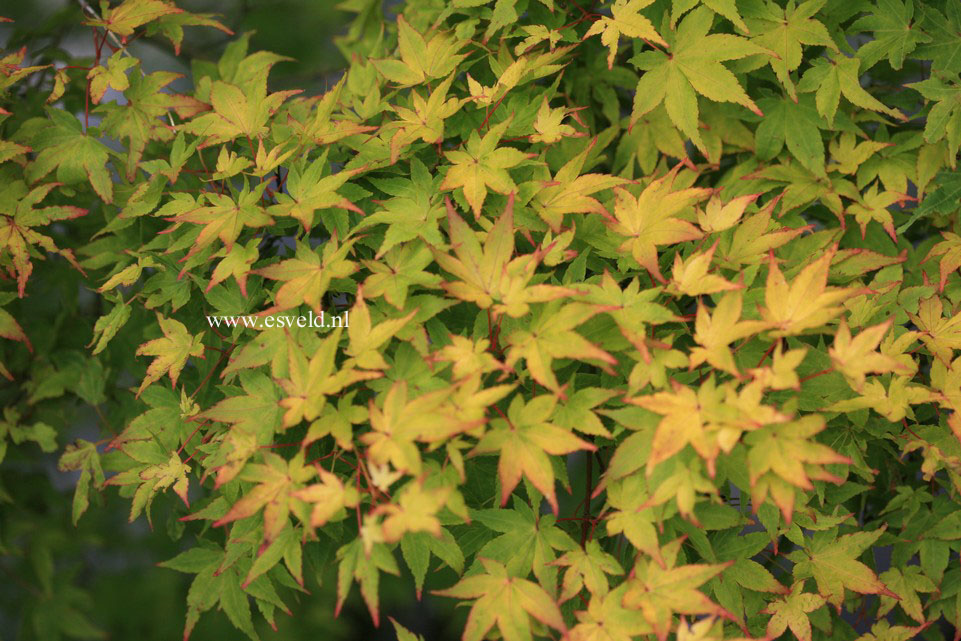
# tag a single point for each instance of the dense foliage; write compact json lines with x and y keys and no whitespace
{"x":609,"y":321}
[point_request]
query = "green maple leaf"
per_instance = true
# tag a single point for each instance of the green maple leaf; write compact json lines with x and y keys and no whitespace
{"x":525,"y":438}
{"x":944,"y":49}
{"x":783,"y":31}
{"x":257,"y":411}
{"x":82,"y":455}
{"x":606,"y":619}
{"x":791,"y":611}
{"x":424,"y":119}
{"x":171,"y":351}
{"x":795,"y":123}
{"x":895,"y":35}
{"x":830,"y":78}
{"x":906,"y":583}
{"x":156,"y":471}
{"x":526,"y":543}
{"x":506,"y":601}
{"x":365,"y":567}
{"x":551,"y":335}
{"x":410,"y":212}
{"x":587,"y":568}
{"x":141,"y":119}
{"x":482,"y":165}
{"x":832,"y":561}
{"x":420,"y":60}
{"x":403,"y":267}
{"x":63,"y":145}
{"x":693,"y":67}
{"x":944,"y":118}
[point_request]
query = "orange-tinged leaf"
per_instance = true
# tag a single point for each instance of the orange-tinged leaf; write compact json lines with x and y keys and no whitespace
{"x":225,"y":218}
{"x":856,"y":357}
{"x":653,"y":219}
{"x":627,"y":21}
{"x":307,"y":275}
{"x":661,"y":592}
{"x":130,"y":14}
{"x":807,"y":303}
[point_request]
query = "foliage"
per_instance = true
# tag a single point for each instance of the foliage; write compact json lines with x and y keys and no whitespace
{"x":694,"y":262}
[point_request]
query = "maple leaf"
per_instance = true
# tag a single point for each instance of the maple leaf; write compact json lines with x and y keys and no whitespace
{"x":690,"y":276}
{"x":634,"y":516}
{"x":365,"y":568}
{"x":625,"y":20}
{"x":63,"y":145}
{"x":236,"y":263}
{"x":18,"y":216}
{"x":524,"y":439}
{"x":549,"y":124}
{"x":238,"y":111}
{"x":327,"y":498}
{"x":307,"y":191}
{"x":660,"y":592}
{"x":693,"y":67}
{"x":832,"y":561}
{"x":82,"y":455}
{"x":606,"y":619}
{"x":171,"y":351}
{"x":365,"y":338}
{"x":156,"y":471}
{"x":420,"y":60}
{"x":143,"y":119}
{"x":506,"y":601}
{"x":307,"y":275}
{"x":906,"y":583}
{"x":874,"y":207}
{"x":587,"y":568}
{"x":854,"y":358}
{"x":783,"y":31}
{"x":276,"y":481}
{"x":754,"y":238}
{"x":945,"y":98}
{"x":943,"y":50}
{"x":482,"y":165}
{"x":569,"y":192}
{"x":113,"y":76}
{"x":225,"y":217}
{"x":894,"y":34}
{"x":551,"y":335}
{"x":311,"y":381}
{"x":402,"y":267}
{"x":424,"y":119}
{"x":894,"y":403}
{"x":807,"y":303}
{"x":949,"y":250}
{"x":941,"y":335}
{"x":632,"y":308}
{"x":130,"y":14}
{"x":715,"y":332}
{"x":790,"y":457}
{"x":654,"y":218}
{"x":839,"y":75}
{"x":489,"y":277}
{"x":791,"y":611}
